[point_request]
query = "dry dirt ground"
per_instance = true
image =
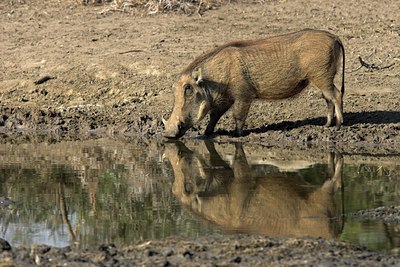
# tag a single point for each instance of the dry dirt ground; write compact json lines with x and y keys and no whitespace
{"x":112,"y":74}
{"x":114,"y":71}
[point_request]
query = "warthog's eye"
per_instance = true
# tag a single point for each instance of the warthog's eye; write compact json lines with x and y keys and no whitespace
{"x":188,"y":89}
{"x":189,"y":188}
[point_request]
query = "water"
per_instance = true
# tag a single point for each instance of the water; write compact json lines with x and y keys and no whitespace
{"x":87,"y":193}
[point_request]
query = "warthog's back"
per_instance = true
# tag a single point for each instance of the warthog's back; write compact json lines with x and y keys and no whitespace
{"x":276,"y":67}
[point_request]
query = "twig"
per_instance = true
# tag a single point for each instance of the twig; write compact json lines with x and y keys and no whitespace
{"x":44,"y":79}
{"x":361,"y":65}
{"x":199,"y":8}
{"x":131,"y":51}
{"x":372,"y":67}
{"x":351,"y":71}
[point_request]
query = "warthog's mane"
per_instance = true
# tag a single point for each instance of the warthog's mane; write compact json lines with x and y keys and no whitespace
{"x":207,"y":55}
{"x":238,"y":44}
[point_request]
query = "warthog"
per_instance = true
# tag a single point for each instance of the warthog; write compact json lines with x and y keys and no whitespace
{"x":236,"y":73}
{"x":234,"y":199}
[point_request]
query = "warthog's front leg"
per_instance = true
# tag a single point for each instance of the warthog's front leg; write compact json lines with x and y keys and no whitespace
{"x":335,"y":166}
{"x":215,"y":115}
{"x":240,"y":111}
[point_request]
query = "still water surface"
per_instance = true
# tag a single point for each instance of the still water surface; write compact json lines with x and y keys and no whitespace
{"x":93,"y":192}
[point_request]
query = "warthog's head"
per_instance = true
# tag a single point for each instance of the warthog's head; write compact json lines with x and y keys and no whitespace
{"x":190,"y":173}
{"x":192,"y":103}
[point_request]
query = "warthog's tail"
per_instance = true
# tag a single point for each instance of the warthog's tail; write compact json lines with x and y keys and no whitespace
{"x":343,"y":64}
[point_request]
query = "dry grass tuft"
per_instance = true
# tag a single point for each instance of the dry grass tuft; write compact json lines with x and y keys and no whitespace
{"x":120,"y":5}
{"x":188,"y":7}
{"x":162,"y":6}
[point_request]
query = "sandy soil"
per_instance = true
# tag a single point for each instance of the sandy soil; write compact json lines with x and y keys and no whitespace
{"x":112,"y":74}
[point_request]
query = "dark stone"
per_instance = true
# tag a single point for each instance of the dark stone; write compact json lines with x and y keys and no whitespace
{"x":188,"y":254}
{"x":4,"y":245}
{"x":238,"y":259}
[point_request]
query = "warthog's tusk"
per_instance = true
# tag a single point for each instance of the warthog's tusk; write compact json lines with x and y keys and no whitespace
{"x":163,"y":120}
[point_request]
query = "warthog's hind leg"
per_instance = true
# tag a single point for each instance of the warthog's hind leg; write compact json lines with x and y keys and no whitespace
{"x":329,"y":115}
{"x":338,"y":103}
{"x":334,"y":102}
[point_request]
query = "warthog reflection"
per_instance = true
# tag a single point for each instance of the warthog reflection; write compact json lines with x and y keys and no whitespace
{"x":232,"y":198}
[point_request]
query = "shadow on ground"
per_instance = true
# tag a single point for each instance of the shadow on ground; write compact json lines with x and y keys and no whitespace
{"x":350,"y":119}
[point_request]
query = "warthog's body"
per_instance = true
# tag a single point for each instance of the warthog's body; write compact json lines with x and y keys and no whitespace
{"x":235,"y":74}
{"x":235,"y":200}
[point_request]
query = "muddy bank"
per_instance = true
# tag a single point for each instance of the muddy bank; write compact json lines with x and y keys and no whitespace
{"x":206,"y":251}
{"x":388,"y":214}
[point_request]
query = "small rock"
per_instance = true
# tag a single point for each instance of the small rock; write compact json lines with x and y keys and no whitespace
{"x":238,"y":259}
{"x":39,"y":249}
{"x":151,"y":253}
{"x":168,"y":252}
{"x":4,"y":245}
{"x":187,"y":254}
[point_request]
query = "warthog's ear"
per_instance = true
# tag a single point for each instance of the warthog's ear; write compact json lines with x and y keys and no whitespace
{"x":197,"y":75}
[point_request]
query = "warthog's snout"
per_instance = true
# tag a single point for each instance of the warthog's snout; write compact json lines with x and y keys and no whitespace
{"x":174,"y":129}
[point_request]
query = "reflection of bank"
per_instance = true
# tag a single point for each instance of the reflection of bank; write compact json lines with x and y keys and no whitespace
{"x":231,"y":197}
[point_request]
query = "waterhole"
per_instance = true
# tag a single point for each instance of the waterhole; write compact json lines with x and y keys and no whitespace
{"x":87,"y":193}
